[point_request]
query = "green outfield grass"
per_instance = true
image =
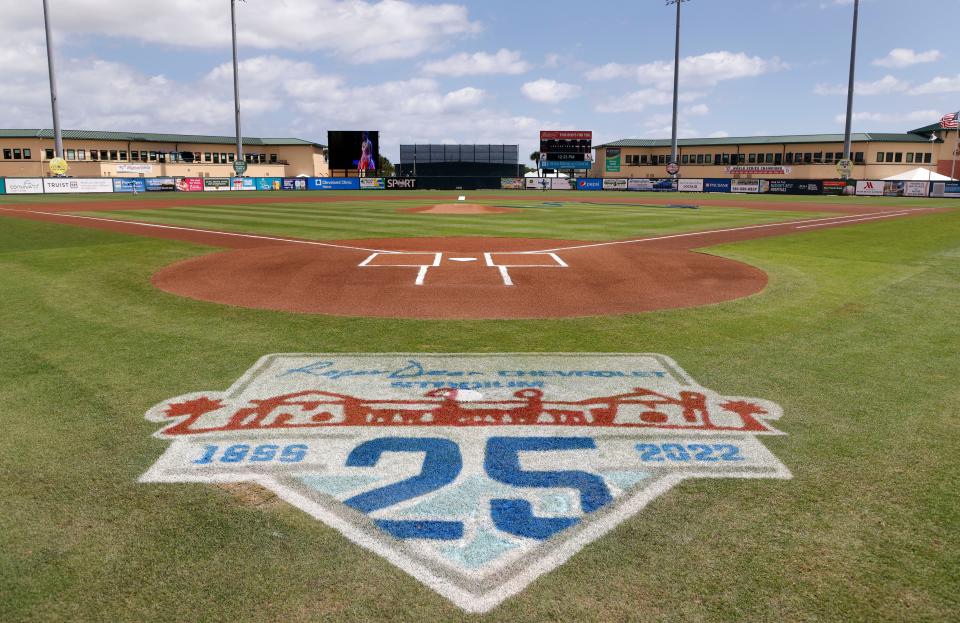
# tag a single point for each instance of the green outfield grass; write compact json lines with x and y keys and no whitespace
{"x":380,"y":219}
{"x":856,"y":337}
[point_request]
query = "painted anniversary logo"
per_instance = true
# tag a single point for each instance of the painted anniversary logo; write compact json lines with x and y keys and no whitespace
{"x":473,"y":473}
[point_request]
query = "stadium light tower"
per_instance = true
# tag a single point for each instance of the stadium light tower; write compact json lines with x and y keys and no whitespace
{"x":236,"y":77}
{"x":847,"y":143}
{"x":57,"y":134}
{"x":676,"y":83}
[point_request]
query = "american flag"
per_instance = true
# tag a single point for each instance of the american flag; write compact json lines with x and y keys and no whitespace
{"x":949,"y":120}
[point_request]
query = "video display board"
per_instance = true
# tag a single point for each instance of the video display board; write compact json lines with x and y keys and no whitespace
{"x":356,"y":149}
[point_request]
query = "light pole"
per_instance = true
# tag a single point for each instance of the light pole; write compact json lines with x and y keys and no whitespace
{"x":57,"y":134}
{"x":847,"y":147}
{"x":236,"y":77}
{"x":676,"y":83}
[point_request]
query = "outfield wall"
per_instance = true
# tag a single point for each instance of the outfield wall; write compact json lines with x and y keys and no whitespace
{"x":863,"y":188}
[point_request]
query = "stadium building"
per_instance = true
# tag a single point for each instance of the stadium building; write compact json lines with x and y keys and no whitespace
{"x":807,"y":156}
{"x":25,"y":153}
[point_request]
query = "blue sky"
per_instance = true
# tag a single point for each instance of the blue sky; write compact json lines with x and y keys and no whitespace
{"x":475,"y":72}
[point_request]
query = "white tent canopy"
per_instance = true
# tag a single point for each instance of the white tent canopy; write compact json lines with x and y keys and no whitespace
{"x":918,"y":175}
{"x":537,"y":174}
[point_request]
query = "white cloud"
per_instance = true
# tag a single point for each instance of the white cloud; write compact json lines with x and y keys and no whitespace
{"x":916,"y":116}
{"x":704,"y":70}
{"x":502,"y":62}
{"x":905,"y":57}
{"x":359,"y":31}
{"x":549,"y":91}
{"x":883,"y":86}
{"x":697,"y":110}
{"x":940,"y":84}
{"x":638,"y":101}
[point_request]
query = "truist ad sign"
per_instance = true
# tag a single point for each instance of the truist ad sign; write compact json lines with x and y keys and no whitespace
{"x":475,"y":474}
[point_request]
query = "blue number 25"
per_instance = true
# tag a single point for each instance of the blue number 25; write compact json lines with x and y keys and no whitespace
{"x":502,"y":463}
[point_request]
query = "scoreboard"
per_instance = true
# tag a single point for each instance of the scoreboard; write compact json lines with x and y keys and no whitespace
{"x":566,"y":149}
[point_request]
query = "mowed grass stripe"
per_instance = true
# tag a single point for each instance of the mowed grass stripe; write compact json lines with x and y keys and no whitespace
{"x":343,"y":220}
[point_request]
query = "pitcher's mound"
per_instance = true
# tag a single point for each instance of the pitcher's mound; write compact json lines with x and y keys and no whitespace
{"x":459,"y":208}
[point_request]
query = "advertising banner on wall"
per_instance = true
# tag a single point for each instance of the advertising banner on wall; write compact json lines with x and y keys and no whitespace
{"x":24,"y":185}
{"x":835,"y":187}
{"x":372,"y":183}
{"x":3,"y":187}
{"x":589,"y":183}
{"x":639,"y":184}
{"x":795,"y":187}
{"x":916,"y":189}
{"x":536,"y":183}
{"x":401,"y":183}
{"x":128,"y":167}
{"x":129,"y":185}
{"x":333,"y":183}
{"x":615,"y":184}
{"x":744,"y":186}
{"x":77,"y":185}
{"x":612,"y":160}
{"x":268,"y":183}
{"x":690,"y":186}
{"x":294,"y":183}
{"x":242,"y":183}
{"x":190,"y":184}
{"x":759,"y":169}
{"x":893,"y":189}
{"x":940,"y":189}
{"x":868,"y":188}
{"x":160,"y":184}
{"x":716,"y":186}
{"x":213,"y":184}
{"x":561,"y":183}
{"x":511,"y":183}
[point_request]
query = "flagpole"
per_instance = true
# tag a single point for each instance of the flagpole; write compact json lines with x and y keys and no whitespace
{"x":953,"y":156}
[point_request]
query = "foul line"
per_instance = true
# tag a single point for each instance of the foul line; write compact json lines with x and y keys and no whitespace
{"x":197,"y":230}
{"x":796,"y":224}
{"x":802,"y":224}
{"x":854,"y":220}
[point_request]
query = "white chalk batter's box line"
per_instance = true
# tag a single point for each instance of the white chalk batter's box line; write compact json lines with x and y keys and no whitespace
{"x":488,"y":256}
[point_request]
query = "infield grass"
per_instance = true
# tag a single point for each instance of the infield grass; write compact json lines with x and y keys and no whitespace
{"x":856,"y":337}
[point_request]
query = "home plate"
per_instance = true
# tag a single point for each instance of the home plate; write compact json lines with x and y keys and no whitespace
{"x":462,"y":259}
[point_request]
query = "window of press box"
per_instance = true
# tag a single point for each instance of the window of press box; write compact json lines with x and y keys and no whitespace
{"x":684,"y":159}
{"x":742,"y":158}
{"x":879,"y":156}
{"x":777,"y":158}
{"x":27,"y":154}
{"x":123,"y":156}
{"x":7,"y":154}
{"x":48,"y":154}
{"x":889,"y":157}
{"x":207,"y":156}
{"x":927,"y":158}
{"x":858,"y":157}
{"x":898,"y":157}
{"x":134,"y":155}
{"x":103,"y":154}
{"x":807,"y":157}
{"x":94,"y":155}
{"x":153,"y":156}
{"x":273,"y":158}
{"x":81,"y":154}
{"x":71,"y":154}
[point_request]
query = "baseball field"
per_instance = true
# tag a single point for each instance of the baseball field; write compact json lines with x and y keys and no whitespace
{"x":842,"y":311}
